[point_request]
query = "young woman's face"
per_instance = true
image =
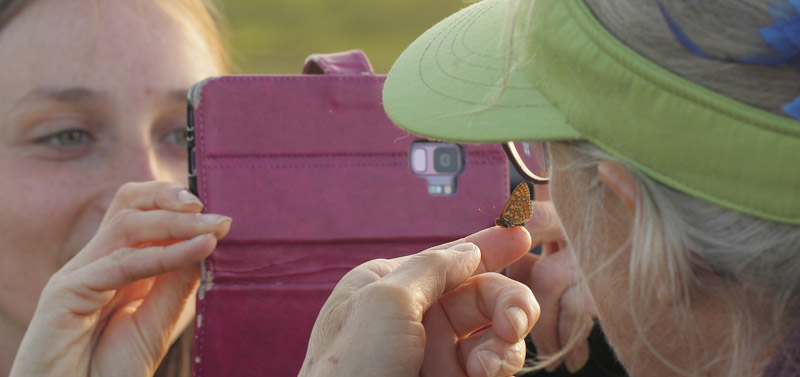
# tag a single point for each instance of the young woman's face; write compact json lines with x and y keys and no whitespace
{"x":92,"y":95}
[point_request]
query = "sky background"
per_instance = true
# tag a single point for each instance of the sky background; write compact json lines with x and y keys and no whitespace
{"x":275,"y":36}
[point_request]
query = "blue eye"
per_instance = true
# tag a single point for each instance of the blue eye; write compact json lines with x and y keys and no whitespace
{"x":68,"y":139}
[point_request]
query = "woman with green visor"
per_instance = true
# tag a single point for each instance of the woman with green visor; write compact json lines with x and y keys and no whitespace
{"x":667,"y":134}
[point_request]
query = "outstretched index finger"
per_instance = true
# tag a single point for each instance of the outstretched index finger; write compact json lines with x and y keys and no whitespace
{"x":428,"y":275}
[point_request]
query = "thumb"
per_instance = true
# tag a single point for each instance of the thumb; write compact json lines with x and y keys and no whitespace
{"x":428,"y":275}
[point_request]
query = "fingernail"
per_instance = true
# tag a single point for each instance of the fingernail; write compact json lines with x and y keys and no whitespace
{"x":519,"y":320}
{"x":186,"y":197}
{"x":490,"y":362}
{"x":210,"y":218}
{"x":466,"y":246}
{"x":201,"y":238}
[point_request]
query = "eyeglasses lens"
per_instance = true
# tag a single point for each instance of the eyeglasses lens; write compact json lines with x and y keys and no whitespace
{"x":532,"y":159}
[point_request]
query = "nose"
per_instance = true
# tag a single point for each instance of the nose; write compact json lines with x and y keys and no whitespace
{"x":131,"y":161}
{"x":139,"y":162}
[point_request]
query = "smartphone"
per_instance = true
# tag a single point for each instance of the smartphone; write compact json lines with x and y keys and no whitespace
{"x":317,"y":180}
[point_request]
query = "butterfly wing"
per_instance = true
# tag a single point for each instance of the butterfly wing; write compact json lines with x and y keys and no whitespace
{"x":518,"y":208}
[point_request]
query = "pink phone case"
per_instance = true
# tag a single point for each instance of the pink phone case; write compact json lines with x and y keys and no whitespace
{"x":317,"y":180}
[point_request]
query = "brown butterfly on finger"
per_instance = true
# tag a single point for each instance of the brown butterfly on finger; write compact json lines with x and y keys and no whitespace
{"x":518,"y":208}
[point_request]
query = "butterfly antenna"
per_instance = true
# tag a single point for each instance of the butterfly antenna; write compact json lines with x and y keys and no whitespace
{"x":494,"y":208}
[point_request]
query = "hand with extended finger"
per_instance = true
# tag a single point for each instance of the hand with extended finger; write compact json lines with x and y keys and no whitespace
{"x":436,"y":313}
{"x":113,"y":308}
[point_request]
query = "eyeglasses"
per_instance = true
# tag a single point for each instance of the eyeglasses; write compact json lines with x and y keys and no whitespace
{"x":530,"y":159}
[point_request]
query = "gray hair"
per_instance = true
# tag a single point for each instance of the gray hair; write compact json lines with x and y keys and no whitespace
{"x":723,"y":28}
{"x":677,"y":238}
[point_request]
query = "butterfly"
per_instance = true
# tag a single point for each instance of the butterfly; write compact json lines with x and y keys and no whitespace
{"x":518,"y":208}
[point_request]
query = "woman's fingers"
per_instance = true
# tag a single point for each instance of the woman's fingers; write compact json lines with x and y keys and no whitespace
{"x":488,"y":355}
{"x":392,"y":297}
{"x":132,"y":280}
{"x":359,"y":277}
{"x":126,"y":265}
{"x":567,"y":311}
{"x":148,"y":324}
{"x":482,"y":300}
{"x":161,"y":310}
{"x":500,"y":247}
{"x":483,"y":354}
{"x":352,"y":329}
{"x":137,"y":229}
{"x":134,"y":227}
{"x":136,"y":198}
{"x":154,"y":195}
{"x":439,"y":269}
{"x":90,"y":288}
{"x":440,"y":341}
{"x":429,"y":274}
{"x":490,"y":298}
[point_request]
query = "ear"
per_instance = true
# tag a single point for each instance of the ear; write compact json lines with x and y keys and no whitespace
{"x":620,"y":181}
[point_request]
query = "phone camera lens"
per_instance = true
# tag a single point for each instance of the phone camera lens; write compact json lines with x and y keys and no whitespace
{"x":445,"y":160}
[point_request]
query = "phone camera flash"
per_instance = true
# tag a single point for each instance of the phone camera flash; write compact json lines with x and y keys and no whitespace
{"x":418,"y":160}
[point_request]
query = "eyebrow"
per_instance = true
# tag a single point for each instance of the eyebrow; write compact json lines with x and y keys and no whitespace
{"x":71,"y":95}
{"x":84,"y":95}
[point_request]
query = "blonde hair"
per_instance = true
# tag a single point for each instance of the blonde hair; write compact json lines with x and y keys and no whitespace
{"x":683,"y":246}
{"x":200,"y":18}
{"x":203,"y":19}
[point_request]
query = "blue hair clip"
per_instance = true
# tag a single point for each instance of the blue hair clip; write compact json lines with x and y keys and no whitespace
{"x":783,"y":10}
{"x":783,"y":36}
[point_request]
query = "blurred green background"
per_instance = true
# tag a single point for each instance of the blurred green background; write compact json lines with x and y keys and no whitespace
{"x":274,"y":36}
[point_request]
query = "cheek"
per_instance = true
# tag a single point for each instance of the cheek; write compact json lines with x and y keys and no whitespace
{"x":46,"y":212}
{"x":597,"y":246}
{"x":172,"y":167}
{"x":568,"y":202}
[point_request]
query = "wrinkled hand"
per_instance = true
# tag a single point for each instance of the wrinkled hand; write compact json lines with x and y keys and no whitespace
{"x":567,"y":309}
{"x":420,"y":315}
{"x":112,"y":309}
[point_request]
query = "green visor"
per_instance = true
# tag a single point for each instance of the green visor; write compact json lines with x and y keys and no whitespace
{"x":463,"y":81}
